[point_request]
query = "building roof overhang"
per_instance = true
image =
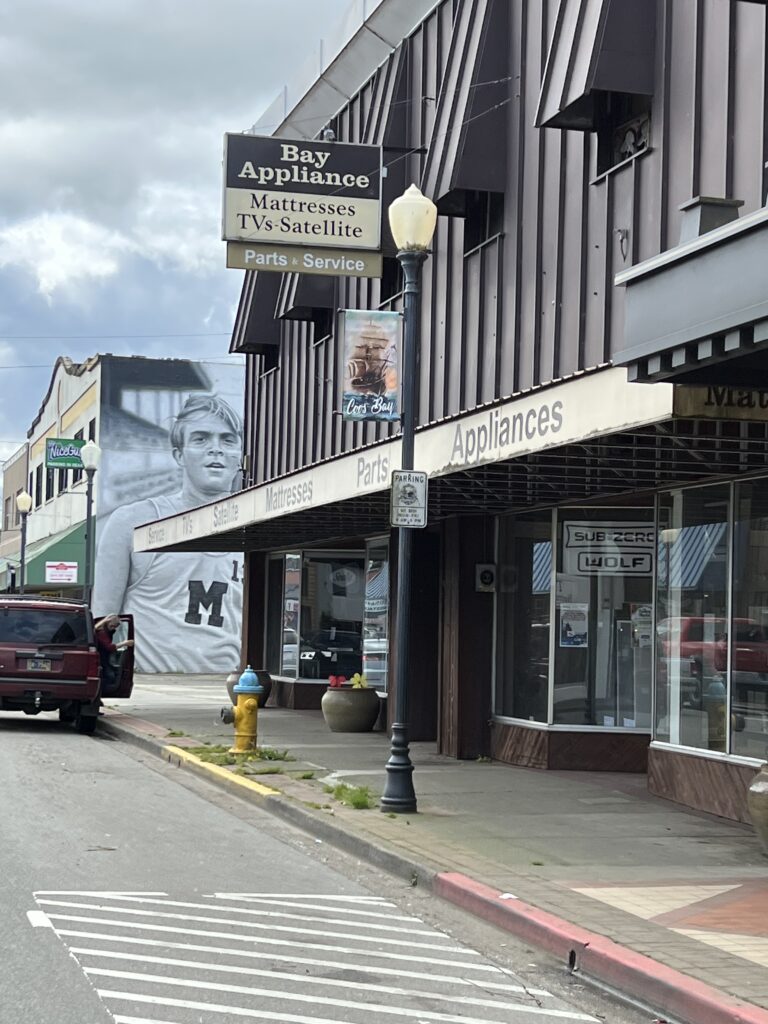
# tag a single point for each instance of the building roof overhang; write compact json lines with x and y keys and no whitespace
{"x":698,"y":313}
{"x":533,"y":448}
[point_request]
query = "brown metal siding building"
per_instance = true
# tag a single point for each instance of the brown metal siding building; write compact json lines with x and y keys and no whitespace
{"x":571,"y":145}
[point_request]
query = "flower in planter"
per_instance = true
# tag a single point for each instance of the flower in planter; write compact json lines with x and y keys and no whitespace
{"x":337,"y":681}
{"x":359,"y":682}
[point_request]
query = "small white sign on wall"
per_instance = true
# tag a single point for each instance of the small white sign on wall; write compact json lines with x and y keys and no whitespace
{"x":61,"y":572}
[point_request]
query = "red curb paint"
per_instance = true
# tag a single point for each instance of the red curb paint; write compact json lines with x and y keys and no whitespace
{"x":637,"y":975}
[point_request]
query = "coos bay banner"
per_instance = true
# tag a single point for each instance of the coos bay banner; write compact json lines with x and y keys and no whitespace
{"x":371,"y":364}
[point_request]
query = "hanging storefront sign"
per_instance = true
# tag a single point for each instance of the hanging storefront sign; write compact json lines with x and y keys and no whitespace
{"x":302,"y":259}
{"x":63,"y":453}
{"x":61,"y":572}
{"x":371,"y":346}
{"x":302,"y":193}
{"x":608,"y":549}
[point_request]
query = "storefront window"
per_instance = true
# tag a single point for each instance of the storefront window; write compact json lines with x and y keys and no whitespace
{"x":749,"y":631}
{"x":291,"y":605}
{"x":691,"y":617}
{"x":331,"y":617}
{"x":522,"y":641}
{"x":603,"y":641}
{"x":376,"y":615}
{"x":273,"y":633}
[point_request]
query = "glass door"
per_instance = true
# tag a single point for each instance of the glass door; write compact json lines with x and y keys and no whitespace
{"x":603,"y":617}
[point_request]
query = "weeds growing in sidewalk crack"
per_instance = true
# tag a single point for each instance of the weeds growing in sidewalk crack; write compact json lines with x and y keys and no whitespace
{"x":359,"y":797}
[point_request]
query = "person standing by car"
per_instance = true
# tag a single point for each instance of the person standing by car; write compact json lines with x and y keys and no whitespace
{"x":104,"y":631}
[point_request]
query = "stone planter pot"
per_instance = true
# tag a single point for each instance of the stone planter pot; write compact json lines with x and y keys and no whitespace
{"x":346,"y":709}
{"x":264,"y":678}
{"x":757,"y":802}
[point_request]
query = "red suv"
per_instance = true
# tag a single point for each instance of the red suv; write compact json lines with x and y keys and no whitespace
{"x":49,"y":660}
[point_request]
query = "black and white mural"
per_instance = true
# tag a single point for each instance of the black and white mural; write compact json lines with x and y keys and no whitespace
{"x":171,"y":439}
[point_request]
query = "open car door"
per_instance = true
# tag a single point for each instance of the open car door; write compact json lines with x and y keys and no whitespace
{"x":123,"y":663}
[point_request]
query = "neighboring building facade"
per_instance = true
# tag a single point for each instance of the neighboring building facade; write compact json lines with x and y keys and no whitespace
{"x":14,"y":482}
{"x":594,"y":326}
{"x":170,"y":431}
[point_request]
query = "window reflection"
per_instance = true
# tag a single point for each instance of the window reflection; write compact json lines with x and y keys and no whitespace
{"x":691,"y":617}
{"x":603,"y":649}
{"x":291,"y":604}
{"x":376,"y":615}
{"x":748,"y":637}
{"x":331,"y":617}
{"x":525,"y":572}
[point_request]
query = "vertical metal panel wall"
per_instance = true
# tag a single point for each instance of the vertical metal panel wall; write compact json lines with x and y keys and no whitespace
{"x":536,"y":301}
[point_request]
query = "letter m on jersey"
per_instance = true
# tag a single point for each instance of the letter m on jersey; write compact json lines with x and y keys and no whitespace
{"x":210,"y":599}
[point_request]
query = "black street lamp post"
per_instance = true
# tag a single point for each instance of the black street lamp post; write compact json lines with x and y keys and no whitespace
{"x":412,"y":219}
{"x":23,"y":504}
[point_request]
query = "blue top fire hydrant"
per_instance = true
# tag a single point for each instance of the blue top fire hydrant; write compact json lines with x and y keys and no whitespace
{"x":246,"y":712}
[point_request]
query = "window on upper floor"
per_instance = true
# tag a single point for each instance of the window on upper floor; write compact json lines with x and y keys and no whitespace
{"x":323,"y":323}
{"x":92,"y":430}
{"x":63,"y":480}
{"x":16,"y":513}
{"x":38,"y":491}
{"x":391,"y":279}
{"x":49,"y":483}
{"x":484,"y":218}
{"x":77,"y":474}
{"x":8,"y":519}
{"x":623,"y":128}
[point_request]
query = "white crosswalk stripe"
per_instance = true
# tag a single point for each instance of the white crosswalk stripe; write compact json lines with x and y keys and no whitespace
{"x":296,"y":958}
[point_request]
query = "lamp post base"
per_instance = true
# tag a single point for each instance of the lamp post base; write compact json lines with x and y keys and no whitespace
{"x":399,"y":796}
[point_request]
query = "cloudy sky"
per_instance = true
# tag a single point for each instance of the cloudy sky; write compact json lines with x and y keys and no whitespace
{"x":112,"y":114}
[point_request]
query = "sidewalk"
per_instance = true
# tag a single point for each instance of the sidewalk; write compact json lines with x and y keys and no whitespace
{"x":663,"y":903}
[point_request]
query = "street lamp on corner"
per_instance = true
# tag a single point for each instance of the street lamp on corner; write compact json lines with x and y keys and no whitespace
{"x":412,"y":220}
{"x":90,"y":455}
{"x":23,"y":506}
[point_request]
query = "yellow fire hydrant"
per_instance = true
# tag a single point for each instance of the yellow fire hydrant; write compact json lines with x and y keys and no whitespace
{"x":245,"y":714}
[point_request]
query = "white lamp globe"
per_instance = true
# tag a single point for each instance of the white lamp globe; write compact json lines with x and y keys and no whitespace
{"x":23,"y":502}
{"x":90,"y":455}
{"x":412,"y":220}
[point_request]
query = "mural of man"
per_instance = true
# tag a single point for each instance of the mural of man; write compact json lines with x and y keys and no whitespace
{"x":187,"y":606}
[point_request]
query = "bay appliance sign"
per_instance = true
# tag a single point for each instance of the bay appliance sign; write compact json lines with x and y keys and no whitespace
{"x":303,"y":193}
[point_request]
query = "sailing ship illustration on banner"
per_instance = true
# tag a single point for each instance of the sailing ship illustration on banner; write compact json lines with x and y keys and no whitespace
{"x":371,"y":378}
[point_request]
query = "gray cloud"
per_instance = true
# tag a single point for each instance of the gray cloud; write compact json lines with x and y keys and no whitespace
{"x":112,"y":114}
{"x":116,"y":104}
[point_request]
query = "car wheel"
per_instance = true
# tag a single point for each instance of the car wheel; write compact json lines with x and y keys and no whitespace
{"x":86,"y":724}
{"x":67,"y":714}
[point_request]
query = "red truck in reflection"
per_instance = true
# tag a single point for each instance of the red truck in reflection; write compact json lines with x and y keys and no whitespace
{"x":697,"y":647}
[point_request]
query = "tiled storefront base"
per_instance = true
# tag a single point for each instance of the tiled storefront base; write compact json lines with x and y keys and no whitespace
{"x":299,"y":694}
{"x":705,"y":784}
{"x":569,"y":751}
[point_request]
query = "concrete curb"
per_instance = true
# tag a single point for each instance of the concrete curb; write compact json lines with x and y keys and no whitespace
{"x":600,"y":958}
{"x":593,"y":955}
{"x":279,"y":804}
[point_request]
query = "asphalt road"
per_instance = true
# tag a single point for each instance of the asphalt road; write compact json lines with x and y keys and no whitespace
{"x":134,"y":892}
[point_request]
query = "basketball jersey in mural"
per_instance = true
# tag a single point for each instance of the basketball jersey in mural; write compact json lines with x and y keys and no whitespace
{"x":187,"y":608}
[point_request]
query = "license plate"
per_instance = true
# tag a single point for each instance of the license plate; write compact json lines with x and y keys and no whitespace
{"x":38,"y":664}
